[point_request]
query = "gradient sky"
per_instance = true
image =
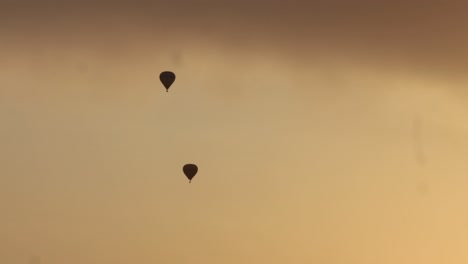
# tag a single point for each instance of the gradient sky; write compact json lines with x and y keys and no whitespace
{"x":332,"y":132}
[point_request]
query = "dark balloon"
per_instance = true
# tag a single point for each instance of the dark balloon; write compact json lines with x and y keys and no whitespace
{"x":167,"y":78}
{"x":190,"y":170}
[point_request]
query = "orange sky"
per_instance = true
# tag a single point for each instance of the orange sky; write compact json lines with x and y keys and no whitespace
{"x":300,"y":117}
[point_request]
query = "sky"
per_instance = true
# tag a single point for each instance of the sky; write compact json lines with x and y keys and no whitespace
{"x":324,"y":131}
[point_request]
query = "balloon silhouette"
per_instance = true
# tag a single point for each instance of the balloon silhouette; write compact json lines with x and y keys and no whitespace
{"x":190,"y":170}
{"x":167,"y":78}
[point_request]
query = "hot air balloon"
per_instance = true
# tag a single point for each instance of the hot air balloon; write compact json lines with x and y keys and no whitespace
{"x":190,"y":170}
{"x":167,"y":78}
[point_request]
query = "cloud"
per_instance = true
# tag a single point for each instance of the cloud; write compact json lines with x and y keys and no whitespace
{"x":427,"y":35}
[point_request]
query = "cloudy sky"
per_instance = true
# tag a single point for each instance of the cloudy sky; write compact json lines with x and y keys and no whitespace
{"x":325,"y":132}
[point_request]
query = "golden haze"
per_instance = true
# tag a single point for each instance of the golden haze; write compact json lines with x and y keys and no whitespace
{"x":300,"y":118}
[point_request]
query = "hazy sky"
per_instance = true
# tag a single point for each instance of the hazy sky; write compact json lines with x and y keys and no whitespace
{"x":332,"y":132}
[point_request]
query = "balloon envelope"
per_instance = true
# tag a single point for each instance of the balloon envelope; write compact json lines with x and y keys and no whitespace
{"x":190,"y":170}
{"x":167,"y":78}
